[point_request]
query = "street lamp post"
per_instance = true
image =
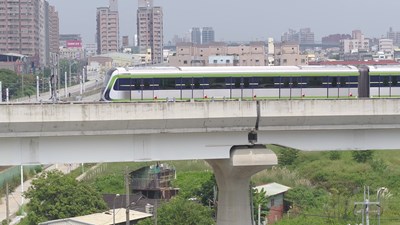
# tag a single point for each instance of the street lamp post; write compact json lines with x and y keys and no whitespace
{"x":116,"y":196}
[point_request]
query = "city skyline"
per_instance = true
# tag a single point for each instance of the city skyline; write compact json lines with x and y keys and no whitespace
{"x":231,"y":20}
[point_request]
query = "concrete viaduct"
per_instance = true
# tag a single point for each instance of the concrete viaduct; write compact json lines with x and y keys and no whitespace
{"x":115,"y":132}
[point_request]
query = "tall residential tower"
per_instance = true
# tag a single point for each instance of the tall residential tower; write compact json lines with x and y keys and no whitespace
{"x":207,"y":35}
{"x":25,"y":29}
{"x":107,"y":36}
{"x":150,"y":30}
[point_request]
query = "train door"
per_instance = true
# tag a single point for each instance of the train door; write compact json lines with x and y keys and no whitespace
{"x":187,"y":88}
{"x":395,"y":88}
{"x":385,"y":86}
{"x":375,"y":86}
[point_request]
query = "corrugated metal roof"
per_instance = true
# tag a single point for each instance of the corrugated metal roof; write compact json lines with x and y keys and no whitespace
{"x":105,"y":218}
{"x":273,"y":189}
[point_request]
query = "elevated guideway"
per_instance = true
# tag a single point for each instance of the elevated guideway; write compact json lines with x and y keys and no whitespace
{"x":108,"y":132}
{"x":115,"y":132}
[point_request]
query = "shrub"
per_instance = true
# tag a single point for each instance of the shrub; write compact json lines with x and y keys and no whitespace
{"x":362,"y":156}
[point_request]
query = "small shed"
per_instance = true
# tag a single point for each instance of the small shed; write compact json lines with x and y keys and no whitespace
{"x":104,"y":218}
{"x":275,"y":193}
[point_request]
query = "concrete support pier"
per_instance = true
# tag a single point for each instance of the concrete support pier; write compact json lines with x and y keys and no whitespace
{"x":233,"y":180}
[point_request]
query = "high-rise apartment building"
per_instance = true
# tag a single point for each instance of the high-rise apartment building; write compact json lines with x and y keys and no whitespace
{"x":306,"y":36}
{"x":207,"y":35}
{"x":150,"y":30}
{"x":54,"y":30}
{"x":23,"y":28}
{"x":107,"y":36}
{"x":195,"y":35}
{"x":290,"y":36}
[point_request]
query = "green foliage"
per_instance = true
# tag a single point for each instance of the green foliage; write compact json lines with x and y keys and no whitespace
{"x":16,"y":83}
{"x":147,"y":221}
{"x":260,"y":199}
{"x":362,"y":156}
{"x":334,"y":155}
{"x":196,"y":184}
{"x":111,"y":184}
{"x":182,"y":211}
{"x":56,"y":196}
{"x":288,"y":156}
{"x":378,"y":165}
{"x":305,"y":197}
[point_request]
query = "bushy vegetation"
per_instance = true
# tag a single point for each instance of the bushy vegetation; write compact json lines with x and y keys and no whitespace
{"x":325,"y":185}
{"x":54,"y":195}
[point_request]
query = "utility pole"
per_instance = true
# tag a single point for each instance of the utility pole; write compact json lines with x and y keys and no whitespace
{"x":127,"y":195}
{"x":365,"y":206}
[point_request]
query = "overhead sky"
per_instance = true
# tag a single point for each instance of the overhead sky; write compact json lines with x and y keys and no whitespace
{"x":235,"y":20}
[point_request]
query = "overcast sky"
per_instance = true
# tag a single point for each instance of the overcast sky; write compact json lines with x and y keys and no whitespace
{"x":235,"y":20}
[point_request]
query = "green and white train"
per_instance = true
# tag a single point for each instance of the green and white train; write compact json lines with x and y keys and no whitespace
{"x":184,"y":83}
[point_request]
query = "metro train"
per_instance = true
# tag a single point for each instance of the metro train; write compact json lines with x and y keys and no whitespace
{"x":247,"y":83}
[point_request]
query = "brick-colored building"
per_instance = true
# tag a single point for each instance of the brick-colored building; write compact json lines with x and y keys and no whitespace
{"x":107,"y":35}
{"x":189,"y":54}
{"x":275,"y":193}
{"x":150,"y":30}
{"x":28,"y":28}
{"x":288,"y":54}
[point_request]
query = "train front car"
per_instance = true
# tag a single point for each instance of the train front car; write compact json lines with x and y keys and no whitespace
{"x":384,"y":81}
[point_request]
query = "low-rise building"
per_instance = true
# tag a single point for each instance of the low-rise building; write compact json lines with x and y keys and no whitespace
{"x":288,"y":54}
{"x":275,"y":193}
{"x":189,"y":54}
{"x":104,"y":218}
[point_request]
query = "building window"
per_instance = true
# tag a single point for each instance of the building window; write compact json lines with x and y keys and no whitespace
{"x":272,"y":202}
{"x":228,"y":61}
{"x":284,"y":60}
{"x":184,"y":61}
{"x":215,"y":61}
{"x":303,"y":61}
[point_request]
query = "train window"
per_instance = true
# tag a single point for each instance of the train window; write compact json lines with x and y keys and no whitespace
{"x":245,"y":82}
{"x":296,"y":82}
{"x":266,"y":82}
{"x":374,"y":81}
{"x":334,"y":81}
{"x":147,"y":84}
{"x":122,"y":84}
{"x":352,"y":82}
{"x":187,"y":83}
{"x":156,"y":84}
{"x":229,"y":83}
{"x":136,"y":84}
{"x":343,"y":81}
{"x":200,"y":83}
{"x":395,"y":81}
{"x":315,"y":82}
{"x":385,"y":81}
{"x":253,"y":82}
{"x":217,"y":82}
{"x":285,"y":81}
{"x":167,"y":83}
{"x":237,"y":81}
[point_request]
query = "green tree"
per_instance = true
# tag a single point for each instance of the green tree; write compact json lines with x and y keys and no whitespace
{"x":260,"y":199}
{"x":57,"y":196}
{"x":196,"y":184}
{"x":182,"y":211}
{"x":288,"y":156}
{"x":362,"y":156}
